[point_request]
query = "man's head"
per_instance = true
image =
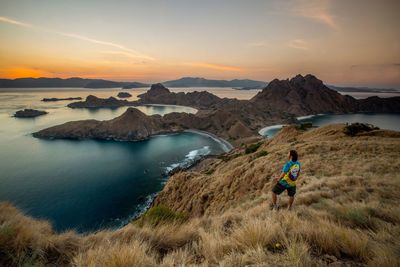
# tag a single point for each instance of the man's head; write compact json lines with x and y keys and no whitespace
{"x":293,"y":155}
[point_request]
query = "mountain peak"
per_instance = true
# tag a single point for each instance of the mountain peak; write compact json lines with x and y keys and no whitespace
{"x":302,"y":95}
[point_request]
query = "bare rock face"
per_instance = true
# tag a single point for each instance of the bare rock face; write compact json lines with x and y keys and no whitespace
{"x":124,"y":95}
{"x":131,"y":126}
{"x":95,"y":102}
{"x":29,"y":113}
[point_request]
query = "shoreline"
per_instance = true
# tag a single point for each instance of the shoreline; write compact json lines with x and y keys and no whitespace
{"x":167,"y":105}
{"x":226,"y":146}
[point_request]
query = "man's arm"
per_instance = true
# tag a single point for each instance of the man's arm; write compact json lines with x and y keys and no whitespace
{"x":280,"y":177}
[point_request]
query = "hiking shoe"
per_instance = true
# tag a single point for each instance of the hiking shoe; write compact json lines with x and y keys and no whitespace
{"x":274,"y":207}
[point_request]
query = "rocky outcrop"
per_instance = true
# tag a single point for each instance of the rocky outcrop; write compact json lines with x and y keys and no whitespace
{"x":124,"y":95}
{"x":54,"y":99}
{"x":308,"y":95}
{"x":96,"y":102}
{"x":29,"y":113}
{"x":302,"y":96}
{"x":158,"y":94}
{"x":133,"y":125}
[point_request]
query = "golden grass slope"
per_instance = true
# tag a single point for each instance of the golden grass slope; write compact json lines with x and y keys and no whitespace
{"x":347,"y":213}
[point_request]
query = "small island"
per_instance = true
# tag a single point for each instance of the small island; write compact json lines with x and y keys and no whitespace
{"x":54,"y":99}
{"x":95,"y":102}
{"x":124,"y":95}
{"x":29,"y":113}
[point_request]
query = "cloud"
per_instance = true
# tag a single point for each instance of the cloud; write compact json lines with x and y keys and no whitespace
{"x":19,"y":23}
{"x":376,"y":66}
{"x":298,"y":44}
{"x":212,"y":66}
{"x":318,"y":10}
{"x":126,"y":51}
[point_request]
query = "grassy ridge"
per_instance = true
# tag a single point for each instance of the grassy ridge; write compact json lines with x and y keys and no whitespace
{"x":346,"y":214}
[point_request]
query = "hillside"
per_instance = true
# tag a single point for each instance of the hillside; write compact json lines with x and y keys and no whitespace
{"x":346,"y":212}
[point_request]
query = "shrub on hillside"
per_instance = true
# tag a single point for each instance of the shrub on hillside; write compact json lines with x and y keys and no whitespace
{"x":261,"y":153}
{"x":227,"y":157}
{"x":158,"y":215}
{"x":356,"y":128}
{"x":252,"y":148}
{"x":304,"y":126}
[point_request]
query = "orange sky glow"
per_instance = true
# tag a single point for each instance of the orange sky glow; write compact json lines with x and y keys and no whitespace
{"x":353,"y":43}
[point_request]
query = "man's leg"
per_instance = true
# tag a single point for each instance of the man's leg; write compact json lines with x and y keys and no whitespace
{"x":276,"y":190}
{"x":274,"y":198}
{"x":291,"y":199}
{"x":291,"y":193}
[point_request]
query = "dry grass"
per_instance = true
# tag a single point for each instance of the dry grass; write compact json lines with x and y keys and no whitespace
{"x":346,"y":213}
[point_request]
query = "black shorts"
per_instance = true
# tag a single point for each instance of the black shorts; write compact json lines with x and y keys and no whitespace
{"x":278,"y":189}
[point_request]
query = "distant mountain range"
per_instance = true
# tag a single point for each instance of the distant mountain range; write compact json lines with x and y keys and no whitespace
{"x":70,"y":82}
{"x":363,"y":89}
{"x":202,"y":82}
{"x":240,"y":84}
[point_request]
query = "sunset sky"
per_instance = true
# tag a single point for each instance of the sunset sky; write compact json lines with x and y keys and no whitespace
{"x":343,"y":42}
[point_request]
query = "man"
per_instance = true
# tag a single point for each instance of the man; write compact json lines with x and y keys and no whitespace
{"x":287,"y":180}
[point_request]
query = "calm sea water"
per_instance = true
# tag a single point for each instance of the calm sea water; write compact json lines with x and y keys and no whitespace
{"x":85,"y":185}
{"x":89,"y":185}
{"x":383,"y":121}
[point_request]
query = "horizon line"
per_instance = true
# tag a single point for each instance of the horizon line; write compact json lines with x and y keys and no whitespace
{"x":194,"y":77}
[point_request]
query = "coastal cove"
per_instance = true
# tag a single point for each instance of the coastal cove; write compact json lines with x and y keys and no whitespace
{"x":87,"y":185}
{"x":388,"y":121}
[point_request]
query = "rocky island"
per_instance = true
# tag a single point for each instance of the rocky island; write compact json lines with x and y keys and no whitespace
{"x":124,"y":95}
{"x":54,"y":99}
{"x":92,"y":101}
{"x":29,"y":113}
